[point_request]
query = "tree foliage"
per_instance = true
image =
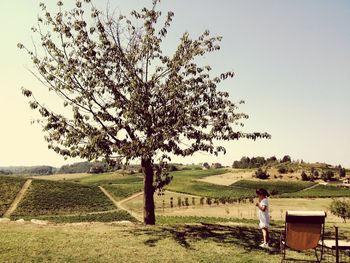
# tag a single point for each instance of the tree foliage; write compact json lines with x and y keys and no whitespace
{"x":253,"y":162}
{"x":327,"y":175}
{"x":129,"y":100}
{"x":261,"y":174}
{"x":341,"y":208}
{"x":286,"y":159}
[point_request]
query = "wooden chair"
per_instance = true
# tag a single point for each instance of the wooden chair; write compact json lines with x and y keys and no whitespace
{"x":303,"y":230}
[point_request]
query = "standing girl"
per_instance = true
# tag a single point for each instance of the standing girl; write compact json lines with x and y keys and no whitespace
{"x":263,"y":213}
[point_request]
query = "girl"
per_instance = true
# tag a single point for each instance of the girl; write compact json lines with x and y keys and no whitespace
{"x":263,"y":213}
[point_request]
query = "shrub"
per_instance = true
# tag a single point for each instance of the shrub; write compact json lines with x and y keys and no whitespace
{"x":206,"y":165}
{"x":340,"y":208}
{"x":327,"y":175}
{"x":304,"y":176}
{"x":342,"y":172}
{"x":172,"y":168}
{"x":261,"y":174}
{"x":282,"y":170}
{"x":216,"y":166}
{"x":274,"y":192}
{"x":315,"y":174}
{"x":286,"y":159}
{"x":97,"y":169}
{"x":179,"y":201}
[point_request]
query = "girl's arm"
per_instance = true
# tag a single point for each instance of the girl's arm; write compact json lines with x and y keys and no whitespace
{"x":261,"y":207}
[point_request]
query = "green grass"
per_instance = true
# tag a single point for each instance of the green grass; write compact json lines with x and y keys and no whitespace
{"x":321,"y":191}
{"x":136,"y":244}
{"x":118,"y":215}
{"x":52,"y":198}
{"x":110,"y":178}
{"x":186,"y":182}
{"x":170,"y":220}
{"x":99,"y":242}
{"x":279,"y":186}
{"x":121,"y":191}
{"x":9,"y":188}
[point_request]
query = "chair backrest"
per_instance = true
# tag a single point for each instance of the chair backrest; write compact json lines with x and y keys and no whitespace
{"x":304,"y":229}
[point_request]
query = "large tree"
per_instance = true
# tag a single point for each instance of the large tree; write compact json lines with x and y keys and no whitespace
{"x":128,"y":100}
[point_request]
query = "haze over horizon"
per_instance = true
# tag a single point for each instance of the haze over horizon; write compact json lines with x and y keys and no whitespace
{"x":291,"y":59}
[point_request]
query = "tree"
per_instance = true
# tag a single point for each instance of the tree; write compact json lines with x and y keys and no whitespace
{"x":128,"y":100}
{"x":340,"y":208}
{"x":282,"y":170}
{"x":206,"y":165}
{"x":304,"y":176}
{"x":286,"y":159}
{"x":327,"y":175}
{"x":271,"y":159}
{"x":341,"y":171}
{"x":315,"y":174}
{"x":260,"y":174}
{"x":216,"y":166}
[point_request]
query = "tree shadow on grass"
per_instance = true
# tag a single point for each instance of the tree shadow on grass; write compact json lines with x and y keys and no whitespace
{"x":245,"y":237}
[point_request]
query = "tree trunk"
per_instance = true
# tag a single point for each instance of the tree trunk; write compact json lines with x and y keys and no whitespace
{"x":148,"y":191}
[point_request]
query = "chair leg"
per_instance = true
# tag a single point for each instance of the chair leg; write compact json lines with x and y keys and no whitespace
{"x":321,"y":254}
{"x":282,"y":249}
{"x":282,"y":246}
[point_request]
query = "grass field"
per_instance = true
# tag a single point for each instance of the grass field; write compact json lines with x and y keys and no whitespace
{"x":109,"y":216}
{"x":100,"y":242}
{"x":110,"y":178}
{"x":9,"y":188}
{"x":61,"y":177}
{"x":52,"y":198}
{"x":321,"y":191}
{"x":187,"y":182}
{"x":276,"y":186}
{"x":121,"y":191}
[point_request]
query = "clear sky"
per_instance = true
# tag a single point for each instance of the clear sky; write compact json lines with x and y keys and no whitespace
{"x":291,"y":59}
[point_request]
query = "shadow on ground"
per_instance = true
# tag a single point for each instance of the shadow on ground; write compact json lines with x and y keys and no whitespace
{"x":247,"y":238}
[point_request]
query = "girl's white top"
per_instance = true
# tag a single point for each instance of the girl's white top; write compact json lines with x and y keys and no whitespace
{"x":264,"y":215}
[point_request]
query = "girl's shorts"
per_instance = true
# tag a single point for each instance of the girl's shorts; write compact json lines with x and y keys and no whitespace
{"x":263,"y":225}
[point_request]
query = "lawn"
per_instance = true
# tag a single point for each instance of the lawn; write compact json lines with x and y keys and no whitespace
{"x":100,"y":242}
{"x":52,"y":198}
{"x":207,"y":242}
{"x":9,"y":188}
{"x":109,"y":216}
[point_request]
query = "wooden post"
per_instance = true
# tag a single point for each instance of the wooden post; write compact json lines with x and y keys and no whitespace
{"x":336,"y":245}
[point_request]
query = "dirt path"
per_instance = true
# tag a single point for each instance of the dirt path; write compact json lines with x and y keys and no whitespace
{"x":18,"y":198}
{"x":120,"y":203}
{"x":307,"y":188}
{"x":227,"y":178}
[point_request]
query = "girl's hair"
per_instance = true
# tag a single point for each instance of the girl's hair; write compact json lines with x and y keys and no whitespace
{"x":262,"y":191}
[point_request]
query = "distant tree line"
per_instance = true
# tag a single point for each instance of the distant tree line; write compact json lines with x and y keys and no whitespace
{"x":87,"y":167}
{"x":325,"y":175}
{"x":5,"y":172}
{"x":259,"y":161}
{"x":30,"y":170}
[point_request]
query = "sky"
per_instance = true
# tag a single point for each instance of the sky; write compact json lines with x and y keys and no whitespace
{"x":291,"y":59}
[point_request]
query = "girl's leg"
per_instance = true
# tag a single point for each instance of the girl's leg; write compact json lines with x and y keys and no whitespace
{"x":265,"y":234}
